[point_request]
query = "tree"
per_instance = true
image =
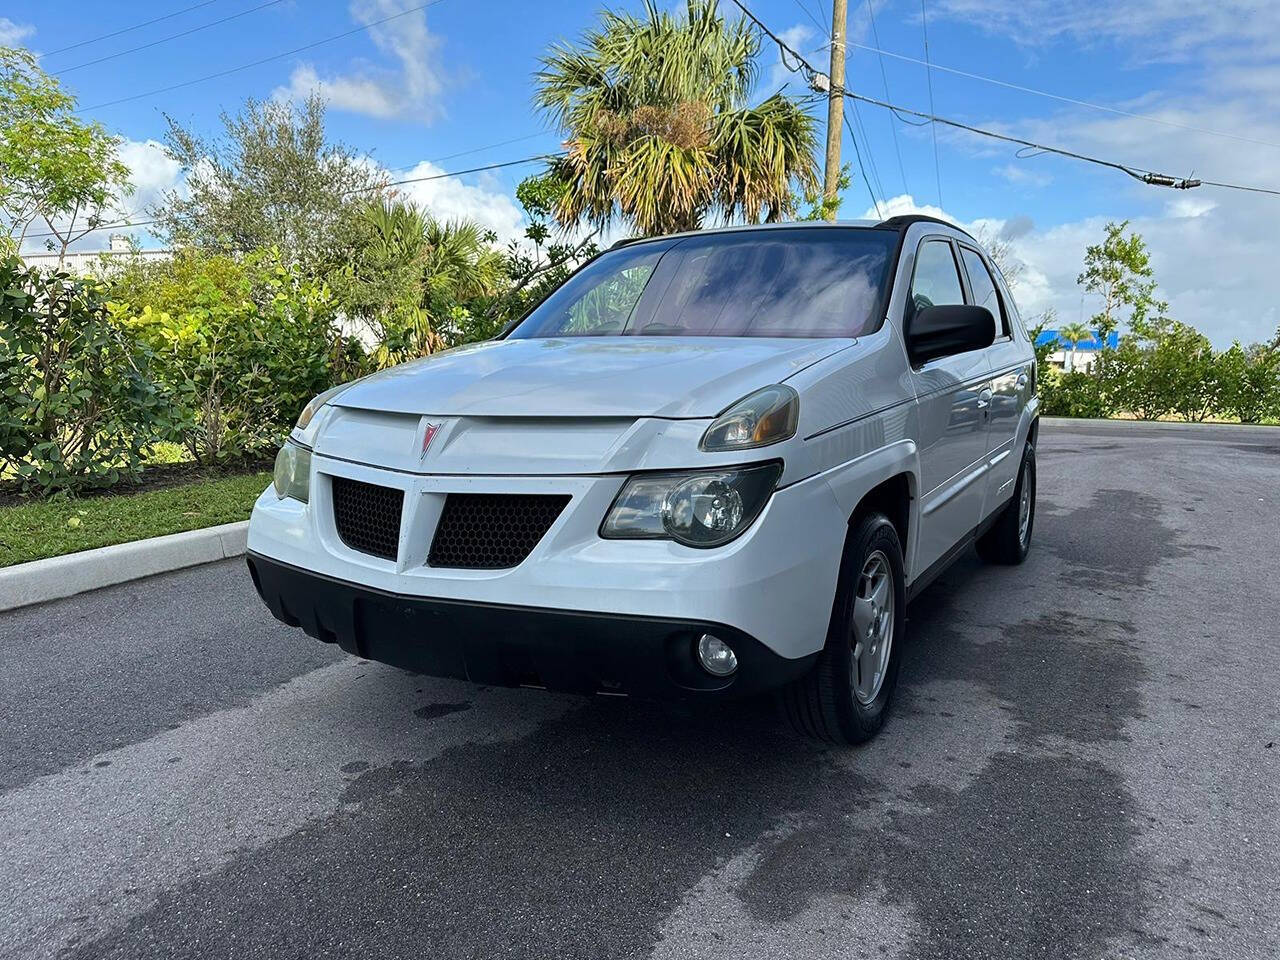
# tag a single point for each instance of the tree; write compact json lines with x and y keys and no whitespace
{"x":1119,"y":270}
{"x":1001,"y":253}
{"x":1075,"y":334}
{"x":271,"y":179}
{"x":54,"y":167}
{"x":659,"y":129}
{"x":417,"y":282}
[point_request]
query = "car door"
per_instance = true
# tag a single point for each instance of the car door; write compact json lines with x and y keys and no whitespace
{"x":953,"y":394}
{"x":1011,"y":373}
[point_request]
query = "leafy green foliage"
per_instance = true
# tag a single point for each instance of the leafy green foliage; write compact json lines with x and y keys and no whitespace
{"x":271,"y":179}
{"x":417,"y":284}
{"x":77,"y":401}
{"x":1119,"y":270}
{"x":660,"y":130}
{"x":240,"y":346}
{"x":54,"y":167}
{"x":1249,"y":382}
{"x":1074,"y":393}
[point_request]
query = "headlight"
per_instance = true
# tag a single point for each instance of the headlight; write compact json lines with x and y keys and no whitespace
{"x":706,"y":508}
{"x":757,"y":420}
{"x":293,"y":472}
{"x":300,"y":432}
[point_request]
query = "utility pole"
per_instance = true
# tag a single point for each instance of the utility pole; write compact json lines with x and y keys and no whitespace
{"x":835,"y":103}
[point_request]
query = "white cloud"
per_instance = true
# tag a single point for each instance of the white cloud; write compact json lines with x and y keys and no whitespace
{"x":151,"y":171}
{"x":448,"y":198}
{"x":1215,"y":276}
{"x":797,"y":38}
{"x":412,"y":88}
{"x":1019,"y":174}
{"x":353,"y":94}
{"x":13,"y":34}
{"x":1170,"y":30}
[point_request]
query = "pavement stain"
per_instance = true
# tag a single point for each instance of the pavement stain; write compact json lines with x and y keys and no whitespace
{"x":574,"y":842}
{"x":1085,"y":538}
{"x":434,"y":710}
{"x":1043,"y":837}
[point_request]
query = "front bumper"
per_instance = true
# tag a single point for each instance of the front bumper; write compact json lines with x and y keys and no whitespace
{"x":564,"y":650}
{"x":775,"y":583}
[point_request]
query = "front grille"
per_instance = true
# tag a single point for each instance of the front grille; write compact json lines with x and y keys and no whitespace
{"x":492,"y":530}
{"x":367,"y":516}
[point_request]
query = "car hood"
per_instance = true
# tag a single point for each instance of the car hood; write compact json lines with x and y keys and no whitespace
{"x":587,"y":377}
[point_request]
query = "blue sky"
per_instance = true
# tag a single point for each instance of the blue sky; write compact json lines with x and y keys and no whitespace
{"x":419,"y":90}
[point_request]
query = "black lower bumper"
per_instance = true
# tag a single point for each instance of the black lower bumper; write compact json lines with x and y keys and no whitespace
{"x":487,"y":643}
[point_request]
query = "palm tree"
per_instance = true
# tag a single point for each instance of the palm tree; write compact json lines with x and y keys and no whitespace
{"x":1075,"y":334}
{"x":660,"y":131}
{"x":411,"y":276}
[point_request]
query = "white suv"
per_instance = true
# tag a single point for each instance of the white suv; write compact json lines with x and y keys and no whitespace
{"x":707,"y":465}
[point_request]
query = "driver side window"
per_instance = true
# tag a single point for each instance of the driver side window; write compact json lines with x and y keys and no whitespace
{"x":936,"y":281}
{"x":606,"y":307}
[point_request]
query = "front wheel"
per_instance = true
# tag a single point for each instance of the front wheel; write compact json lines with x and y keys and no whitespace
{"x":1009,"y":538}
{"x":844,"y":698}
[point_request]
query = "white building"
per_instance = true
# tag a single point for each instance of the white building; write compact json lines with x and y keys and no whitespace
{"x":81,"y":262}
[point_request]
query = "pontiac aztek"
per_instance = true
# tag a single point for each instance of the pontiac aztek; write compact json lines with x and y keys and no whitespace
{"x":708,"y":464}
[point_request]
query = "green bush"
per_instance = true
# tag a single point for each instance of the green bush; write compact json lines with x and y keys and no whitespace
{"x":241,"y":345}
{"x":1249,"y":382}
{"x":1073,"y":394}
{"x":78,"y":405}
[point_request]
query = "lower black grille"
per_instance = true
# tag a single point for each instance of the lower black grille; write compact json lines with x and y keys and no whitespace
{"x":492,"y":530}
{"x":368,"y":516}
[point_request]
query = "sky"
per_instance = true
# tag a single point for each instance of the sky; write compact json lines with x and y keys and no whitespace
{"x":1178,"y":88}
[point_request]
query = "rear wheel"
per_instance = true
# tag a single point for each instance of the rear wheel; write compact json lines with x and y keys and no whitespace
{"x":1009,"y":539}
{"x":844,"y":698}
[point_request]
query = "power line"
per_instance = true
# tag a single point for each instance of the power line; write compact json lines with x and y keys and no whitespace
{"x":172,"y":36}
{"x":858,"y":154}
{"x":136,"y":26}
{"x":809,"y":73}
{"x":1138,"y":173}
{"x":122,"y":224}
{"x":875,"y":173}
{"x":1062,"y":99}
{"x":258,"y":63}
{"x":933,"y":128}
{"x":456,"y":173}
{"x":884,"y":77}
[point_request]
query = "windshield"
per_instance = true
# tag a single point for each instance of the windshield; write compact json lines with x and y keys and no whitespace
{"x":808,"y":282}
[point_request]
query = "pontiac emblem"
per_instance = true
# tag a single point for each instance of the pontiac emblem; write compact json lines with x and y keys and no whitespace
{"x":428,"y":432}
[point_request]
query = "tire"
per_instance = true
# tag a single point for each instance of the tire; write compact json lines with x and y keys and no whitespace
{"x":839,"y":700}
{"x":1008,"y":541}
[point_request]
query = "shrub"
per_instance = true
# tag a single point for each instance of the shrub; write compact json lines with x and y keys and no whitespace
{"x":77,"y":402}
{"x":241,"y":344}
{"x":1077,"y":393}
{"x":1249,"y":382}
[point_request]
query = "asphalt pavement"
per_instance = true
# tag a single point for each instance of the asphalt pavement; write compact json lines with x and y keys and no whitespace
{"x":1081,"y":763}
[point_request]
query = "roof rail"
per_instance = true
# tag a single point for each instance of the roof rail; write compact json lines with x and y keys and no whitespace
{"x":902,"y":221}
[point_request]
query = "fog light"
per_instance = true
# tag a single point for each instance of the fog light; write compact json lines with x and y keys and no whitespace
{"x":716,"y":656}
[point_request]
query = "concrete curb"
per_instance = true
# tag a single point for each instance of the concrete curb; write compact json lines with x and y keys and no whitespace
{"x":27,"y":583}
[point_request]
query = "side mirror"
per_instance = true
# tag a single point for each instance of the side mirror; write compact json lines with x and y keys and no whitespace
{"x":948,"y":329}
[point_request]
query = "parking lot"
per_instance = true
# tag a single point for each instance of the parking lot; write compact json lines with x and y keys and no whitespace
{"x":1081,"y":763}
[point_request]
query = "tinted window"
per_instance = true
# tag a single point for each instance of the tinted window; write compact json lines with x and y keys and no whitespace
{"x":812,"y":282}
{"x":936,"y":281}
{"x":983,"y":287}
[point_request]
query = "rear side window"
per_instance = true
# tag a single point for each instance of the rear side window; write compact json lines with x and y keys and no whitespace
{"x":983,"y":287}
{"x":936,"y":281}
